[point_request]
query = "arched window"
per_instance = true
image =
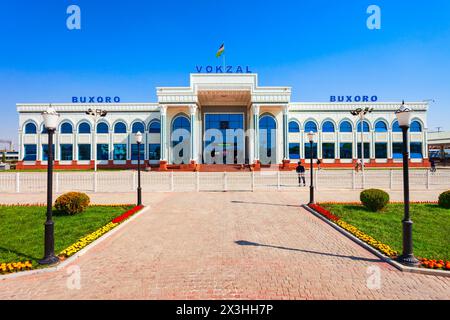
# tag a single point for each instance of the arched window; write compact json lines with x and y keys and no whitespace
{"x":345,"y":126}
{"x":181,"y":123}
{"x":102,"y":127}
{"x":293,"y":127}
{"x":310,"y":126}
{"x":381,"y":126}
{"x":66,"y":128}
{"x":138,"y":126}
{"x":396,"y":127}
{"x":327,"y":126}
{"x":365,"y":126}
{"x":30,"y":128}
{"x":120,"y":127}
{"x":416,"y":126}
{"x":154,"y":127}
{"x":44,"y":130}
{"x":84,"y":127}
{"x":267,"y":138}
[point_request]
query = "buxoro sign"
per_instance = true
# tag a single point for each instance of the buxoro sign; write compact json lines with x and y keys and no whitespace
{"x":95,"y":99}
{"x":353,"y":98}
{"x":223,"y":69}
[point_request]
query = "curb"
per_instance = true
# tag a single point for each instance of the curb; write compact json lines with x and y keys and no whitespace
{"x":80,"y":253}
{"x":392,"y":262}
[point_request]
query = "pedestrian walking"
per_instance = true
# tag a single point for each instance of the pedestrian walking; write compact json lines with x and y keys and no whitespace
{"x":432,"y":165}
{"x":318,"y":164}
{"x":301,"y":174}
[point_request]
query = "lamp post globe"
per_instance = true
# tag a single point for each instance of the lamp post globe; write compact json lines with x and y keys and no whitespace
{"x":50,"y":122}
{"x":407,"y":257}
{"x":311,"y":185}
{"x":138,"y":137}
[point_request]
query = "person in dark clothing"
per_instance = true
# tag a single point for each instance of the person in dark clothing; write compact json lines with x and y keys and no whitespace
{"x":318,"y":164}
{"x":433,"y":165}
{"x":301,"y":174}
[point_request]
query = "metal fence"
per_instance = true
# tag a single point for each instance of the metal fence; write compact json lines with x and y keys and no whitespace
{"x":126,"y":181}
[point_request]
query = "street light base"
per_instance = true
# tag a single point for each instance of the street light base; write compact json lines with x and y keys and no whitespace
{"x":408,"y":260}
{"x":49,"y":260}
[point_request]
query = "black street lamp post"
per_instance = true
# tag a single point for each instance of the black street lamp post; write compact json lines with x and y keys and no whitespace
{"x":139,"y":190}
{"x":311,"y":185}
{"x":50,"y":122}
{"x":407,"y":256}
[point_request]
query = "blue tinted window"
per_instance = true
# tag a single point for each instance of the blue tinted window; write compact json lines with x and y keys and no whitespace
{"x":84,"y":152}
{"x":45,"y":152}
{"x":44,"y":130}
{"x":267,"y":126}
{"x":293,"y":127}
{"x":345,"y":126}
{"x":102,"y":151}
{"x":30,"y":152}
{"x":365,"y":126}
{"x":102,"y":127}
{"x":346,"y":150}
{"x":66,"y":128}
{"x":294,"y":150}
{"x":66,"y":153}
{"x":396,"y":127}
{"x":154,"y":151}
{"x":308,"y":150}
{"x":397,"y":151}
{"x":416,"y":150}
{"x":381,"y":126}
{"x":181,"y":123}
{"x":416,"y":127}
{"x":154,"y":127}
{"x":84,"y":127}
{"x":120,"y":127}
{"x":328,"y":126}
{"x":138,"y":126}
{"x":310,"y":126}
{"x":134,"y":152}
{"x":120,"y":152}
{"x":328,"y":150}
{"x":30,"y":128}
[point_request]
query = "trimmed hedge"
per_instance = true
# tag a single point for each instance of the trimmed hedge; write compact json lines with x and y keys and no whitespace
{"x":72,"y":203}
{"x":444,"y":199}
{"x":374,"y":199}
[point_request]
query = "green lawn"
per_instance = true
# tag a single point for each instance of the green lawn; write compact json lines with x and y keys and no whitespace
{"x":431,"y":229}
{"x":22,"y":230}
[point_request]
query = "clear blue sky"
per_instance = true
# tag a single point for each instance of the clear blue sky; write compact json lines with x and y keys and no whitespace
{"x":320,"y":48}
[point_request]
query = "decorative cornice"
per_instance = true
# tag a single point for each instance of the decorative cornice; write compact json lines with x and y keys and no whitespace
{"x":82,"y":107}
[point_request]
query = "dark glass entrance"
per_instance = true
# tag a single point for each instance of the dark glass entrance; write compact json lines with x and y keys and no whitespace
{"x":220,"y":148}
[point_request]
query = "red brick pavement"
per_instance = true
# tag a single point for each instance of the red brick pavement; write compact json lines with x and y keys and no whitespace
{"x":227,"y":245}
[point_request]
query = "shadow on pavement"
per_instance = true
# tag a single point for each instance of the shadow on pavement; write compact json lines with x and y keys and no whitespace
{"x":248,"y":243}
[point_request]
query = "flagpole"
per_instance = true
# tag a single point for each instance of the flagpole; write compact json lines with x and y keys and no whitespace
{"x":224,"y":64}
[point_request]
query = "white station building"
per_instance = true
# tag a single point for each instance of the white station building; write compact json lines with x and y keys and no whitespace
{"x":221,"y":101}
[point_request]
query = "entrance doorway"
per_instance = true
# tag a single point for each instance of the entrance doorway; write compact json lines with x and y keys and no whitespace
{"x":224,"y":138}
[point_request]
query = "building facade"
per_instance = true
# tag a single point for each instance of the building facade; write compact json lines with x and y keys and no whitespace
{"x":272,"y":126}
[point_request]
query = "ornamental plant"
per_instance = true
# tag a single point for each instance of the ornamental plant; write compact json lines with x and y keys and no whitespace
{"x":374,"y":199}
{"x":444,"y":199}
{"x":72,"y":203}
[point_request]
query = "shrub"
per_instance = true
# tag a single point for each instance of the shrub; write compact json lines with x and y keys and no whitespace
{"x":72,"y":203}
{"x":374,"y":199}
{"x":444,"y":199}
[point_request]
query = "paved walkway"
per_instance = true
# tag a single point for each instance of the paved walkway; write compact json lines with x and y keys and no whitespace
{"x":227,"y":245}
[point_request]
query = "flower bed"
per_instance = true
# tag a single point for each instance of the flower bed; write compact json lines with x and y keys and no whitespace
{"x":435,"y":264}
{"x":83,"y":242}
{"x":383,"y":248}
{"x":15,"y":266}
{"x":78,"y":245}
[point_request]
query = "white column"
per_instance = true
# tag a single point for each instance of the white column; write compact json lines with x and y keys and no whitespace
{"x":163,"y":134}
{"x":337,"y":146}
{"x":425,"y":143}
{"x":256,"y":109}
{"x":285,"y":132}
{"x":193,"y":120}
{"x":389,"y":147}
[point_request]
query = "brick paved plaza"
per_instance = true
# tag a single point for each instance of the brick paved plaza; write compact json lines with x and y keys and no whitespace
{"x":240,"y":245}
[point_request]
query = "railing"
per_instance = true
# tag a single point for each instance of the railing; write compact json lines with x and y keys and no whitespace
{"x":126,"y":181}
